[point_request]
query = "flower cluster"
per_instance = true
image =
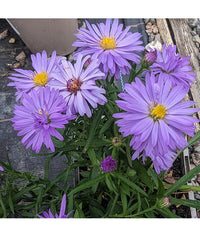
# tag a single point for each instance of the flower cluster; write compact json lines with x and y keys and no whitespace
{"x":154,"y":112}
{"x":52,"y":95}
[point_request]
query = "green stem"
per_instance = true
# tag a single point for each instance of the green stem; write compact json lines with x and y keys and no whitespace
{"x":142,"y":212}
{"x":114,"y":203}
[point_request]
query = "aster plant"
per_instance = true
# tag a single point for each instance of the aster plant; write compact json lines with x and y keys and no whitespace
{"x":118,"y":145}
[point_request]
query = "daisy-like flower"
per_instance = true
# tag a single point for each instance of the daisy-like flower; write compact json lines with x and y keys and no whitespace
{"x":26,"y":80}
{"x":78,"y":87}
{"x":38,"y":117}
{"x":108,"y":164}
{"x":111,"y":45}
{"x":169,"y":65}
{"x":62,"y":211}
{"x":1,"y":168}
{"x":157,"y":117}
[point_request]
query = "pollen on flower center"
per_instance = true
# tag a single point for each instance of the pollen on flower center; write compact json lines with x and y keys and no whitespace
{"x":40,"y":79}
{"x":108,"y":43}
{"x":74,"y":85}
{"x":158,"y":112}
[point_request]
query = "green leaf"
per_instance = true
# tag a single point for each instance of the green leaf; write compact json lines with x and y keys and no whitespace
{"x":3,"y":207}
{"x":131,"y":184}
{"x":165,"y":212}
{"x":161,"y":189}
{"x":194,"y":139}
{"x":10,"y":202}
{"x":124,"y":203}
{"x":39,"y":199}
{"x":92,"y":130}
{"x":187,"y":177}
{"x":78,"y":213}
{"x":92,"y":156}
{"x":154,"y":176}
{"x":110,"y":183}
{"x":142,"y":174}
{"x":106,"y":126}
{"x":125,"y":189}
{"x":85,"y":185}
{"x":188,"y":203}
{"x":70,"y":202}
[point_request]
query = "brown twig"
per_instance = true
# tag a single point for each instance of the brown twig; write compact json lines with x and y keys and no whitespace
{"x":4,"y":120}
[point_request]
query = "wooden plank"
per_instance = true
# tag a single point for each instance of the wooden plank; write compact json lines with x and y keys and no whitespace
{"x":164,"y":31}
{"x":186,"y":47}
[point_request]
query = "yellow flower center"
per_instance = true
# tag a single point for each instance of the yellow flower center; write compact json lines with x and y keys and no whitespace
{"x":40,"y":112}
{"x":74,"y":85}
{"x":108,"y":43}
{"x":158,"y":112}
{"x":40,"y":79}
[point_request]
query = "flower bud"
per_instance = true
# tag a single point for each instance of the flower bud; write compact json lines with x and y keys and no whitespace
{"x":164,"y":202}
{"x":108,"y":164}
{"x":150,"y":57}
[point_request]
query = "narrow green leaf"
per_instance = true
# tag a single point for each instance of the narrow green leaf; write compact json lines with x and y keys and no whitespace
{"x":132,"y":208}
{"x":92,"y":156}
{"x":154,"y":176}
{"x":187,"y":177}
{"x":131,"y":184}
{"x":10,"y":202}
{"x":110,"y":183}
{"x":191,"y":142}
{"x":3,"y":207}
{"x":124,"y":203}
{"x":85,"y":185}
{"x":92,"y":130}
{"x":70,"y":203}
{"x":188,"y":203}
{"x":165,"y":212}
{"x":39,"y":199}
{"x":79,"y":213}
{"x":161,"y":189}
{"x":125,"y":189}
{"x":106,"y":126}
{"x":142,"y":174}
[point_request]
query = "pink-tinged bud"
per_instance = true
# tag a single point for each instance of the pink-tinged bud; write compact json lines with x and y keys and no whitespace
{"x":164,"y":202}
{"x":87,"y":63}
{"x":150,"y":57}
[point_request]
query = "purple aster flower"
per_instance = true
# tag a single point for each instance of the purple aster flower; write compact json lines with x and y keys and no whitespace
{"x":77,"y":85}
{"x":171,"y":66}
{"x":62,"y":211}
{"x":108,"y":164}
{"x":1,"y":168}
{"x":38,"y":117}
{"x":26,"y":80}
{"x":157,"y":117}
{"x":111,"y":45}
